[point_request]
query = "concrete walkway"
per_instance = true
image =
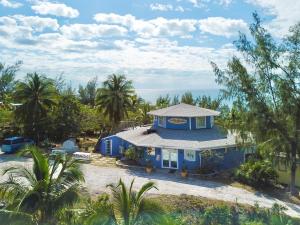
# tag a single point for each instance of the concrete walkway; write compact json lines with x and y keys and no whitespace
{"x":97,"y":178}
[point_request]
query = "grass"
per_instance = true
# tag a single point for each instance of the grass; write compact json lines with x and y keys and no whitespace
{"x":191,"y":210}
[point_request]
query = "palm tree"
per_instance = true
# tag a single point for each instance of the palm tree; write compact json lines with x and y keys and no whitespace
{"x":128,"y":207}
{"x":142,"y":115}
{"x":43,"y":190}
{"x":37,"y":95}
{"x":114,"y":98}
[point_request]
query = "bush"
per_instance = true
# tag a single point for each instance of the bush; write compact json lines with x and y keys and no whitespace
{"x":257,"y":173}
{"x":131,"y":154}
{"x":217,"y":215}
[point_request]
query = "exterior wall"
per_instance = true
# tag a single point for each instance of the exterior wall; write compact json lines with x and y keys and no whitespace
{"x":117,"y":144}
{"x":184,"y":126}
{"x":231,"y":157}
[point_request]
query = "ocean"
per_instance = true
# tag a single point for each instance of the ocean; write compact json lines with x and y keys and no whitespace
{"x":151,"y":95}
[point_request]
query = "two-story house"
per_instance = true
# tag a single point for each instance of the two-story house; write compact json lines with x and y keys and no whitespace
{"x":179,"y":135}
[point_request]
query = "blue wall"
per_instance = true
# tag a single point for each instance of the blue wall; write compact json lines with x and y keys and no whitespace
{"x":117,"y":143}
{"x":185,"y":126}
{"x":232,"y":157}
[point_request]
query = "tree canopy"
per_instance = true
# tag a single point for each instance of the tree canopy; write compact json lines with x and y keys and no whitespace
{"x":264,"y":86}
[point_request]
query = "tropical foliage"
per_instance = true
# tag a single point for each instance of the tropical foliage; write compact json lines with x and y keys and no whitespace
{"x":127,"y":207}
{"x":43,"y":190}
{"x":264,"y":86}
{"x":37,"y":96}
{"x":258,"y":173}
{"x":114,"y":98}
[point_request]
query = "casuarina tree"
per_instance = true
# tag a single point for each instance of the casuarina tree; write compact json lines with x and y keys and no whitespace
{"x":264,"y":85}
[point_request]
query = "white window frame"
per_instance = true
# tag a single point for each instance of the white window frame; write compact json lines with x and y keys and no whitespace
{"x":189,"y":159}
{"x":151,"y":150}
{"x":110,"y":146}
{"x":162,"y":160}
{"x":163,"y":121}
{"x":212,"y":121}
{"x":204,"y":126}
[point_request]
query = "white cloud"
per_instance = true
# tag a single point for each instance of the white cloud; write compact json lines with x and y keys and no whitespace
{"x":10,"y":4}
{"x":222,"y":26}
{"x":204,"y":3}
{"x":165,"y":7}
{"x":112,"y":18}
{"x":161,"y":7}
{"x":90,"y":31}
{"x":225,"y":2}
{"x":286,"y":14}
{"x":38,"y":24}
{"x":56,"y":9}
{"x":150,"y":28}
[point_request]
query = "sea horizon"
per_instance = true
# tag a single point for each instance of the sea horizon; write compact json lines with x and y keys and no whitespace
{"x":150,"y":95}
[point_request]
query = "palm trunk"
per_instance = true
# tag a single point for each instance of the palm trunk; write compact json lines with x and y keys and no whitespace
{"x":293,"y":188}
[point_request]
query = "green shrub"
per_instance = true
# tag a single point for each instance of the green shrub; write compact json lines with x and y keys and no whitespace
{"x":217,"y":215}
{"x":257,"y":173}
{"x":131,"y":154}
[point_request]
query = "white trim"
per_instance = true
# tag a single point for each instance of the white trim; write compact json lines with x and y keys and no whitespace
{"x":164,"y":121}
{"x":190,"y":150}
{"x":204,"y":122}
{"x":190,"y":119}
{"x":200,"y":159}
{"x":162,"y":164}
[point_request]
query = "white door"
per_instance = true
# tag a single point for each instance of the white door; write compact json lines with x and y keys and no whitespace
{"x":170,"y":158}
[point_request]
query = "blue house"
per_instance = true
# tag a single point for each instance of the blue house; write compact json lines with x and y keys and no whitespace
{"x":180,"y":135}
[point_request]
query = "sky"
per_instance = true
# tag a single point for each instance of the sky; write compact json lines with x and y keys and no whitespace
{"x":159,"y":44}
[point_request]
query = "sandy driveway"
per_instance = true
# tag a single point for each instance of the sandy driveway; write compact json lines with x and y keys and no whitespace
{"x":98,"y":177}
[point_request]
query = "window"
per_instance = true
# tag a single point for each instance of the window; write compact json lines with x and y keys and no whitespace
{"x":190,"y":155}
{"x":200,"y":122}
{"x":161,"y":121}
{"x":108,"y":145}
{"x":151,"y":151}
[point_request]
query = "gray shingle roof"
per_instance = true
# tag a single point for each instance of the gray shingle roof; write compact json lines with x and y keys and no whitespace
{"x":184,"y":110}
{"x":179,"y":139}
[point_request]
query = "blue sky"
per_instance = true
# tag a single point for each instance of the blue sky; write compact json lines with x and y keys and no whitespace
{"x":158,"y":44}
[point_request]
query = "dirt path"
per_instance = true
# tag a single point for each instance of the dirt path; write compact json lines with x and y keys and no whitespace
{"x":97,"y":179}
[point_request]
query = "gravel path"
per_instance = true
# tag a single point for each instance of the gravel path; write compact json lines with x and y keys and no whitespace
{"x":97,"y":178}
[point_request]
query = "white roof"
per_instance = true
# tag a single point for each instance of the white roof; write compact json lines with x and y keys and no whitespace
{"x":184,"y":110}
{"x":179,"y":139}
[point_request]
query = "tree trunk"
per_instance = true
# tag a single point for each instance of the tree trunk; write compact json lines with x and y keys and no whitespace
{"x":293,"y":188}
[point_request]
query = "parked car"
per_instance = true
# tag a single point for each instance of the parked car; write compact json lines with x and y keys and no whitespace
{"x":13,"y":144}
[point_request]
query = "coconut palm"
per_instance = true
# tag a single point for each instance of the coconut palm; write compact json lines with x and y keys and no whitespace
{"x":114,"y":98}
{"x":37,"y":95}
{"x":43,"y":190}
{"x":128,"y":207}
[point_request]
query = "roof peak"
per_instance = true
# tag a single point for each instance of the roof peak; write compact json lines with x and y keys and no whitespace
{"x":184,"y":110}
